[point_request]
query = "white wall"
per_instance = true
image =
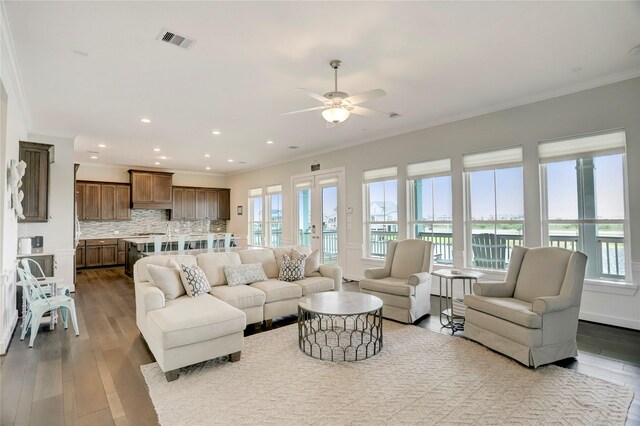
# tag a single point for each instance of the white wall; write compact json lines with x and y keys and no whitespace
{"x":15,"y":129}
{"x":58,"y":230}
{"x":108,"y":173}
{"x":608,"y":107}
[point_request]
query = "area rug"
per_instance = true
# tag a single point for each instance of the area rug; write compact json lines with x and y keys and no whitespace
{"x":419,"y":377}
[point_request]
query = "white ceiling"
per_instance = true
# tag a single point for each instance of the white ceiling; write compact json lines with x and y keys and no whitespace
{"x":435,"y":60}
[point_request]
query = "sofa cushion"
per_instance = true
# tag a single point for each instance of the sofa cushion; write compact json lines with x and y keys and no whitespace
{"x":389,"y":285}
{"x":244,"y":274}
{"x":187,"y":320}
{"x":292,"y":269}
{"x":278,"y":252}
{"x":241,"y":296}
{"x":213,"y":265}
{"x":264,"y":256}
{"x":529,"y":337}
{"x":276,"y":290}
{"x":194,"y":280}
{"x":140,"y":270}
{"x":311,"y":285}
{"x":542,"y":273}
{"x":167,"y":279}
{"x":507,"y":308}
{"x":311,"y":263}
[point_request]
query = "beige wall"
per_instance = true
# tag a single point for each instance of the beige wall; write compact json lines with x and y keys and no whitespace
{"x":608,"y":107}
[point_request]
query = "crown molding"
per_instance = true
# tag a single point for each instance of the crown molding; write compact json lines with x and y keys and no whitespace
{"x":10,"y":66}
{"x":151,"y":169}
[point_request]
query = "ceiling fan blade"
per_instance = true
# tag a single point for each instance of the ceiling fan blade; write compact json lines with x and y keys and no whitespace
{"x":365,"y":96}
{"x":304,"y":110}
{"x":313,"y":94}
{"x":367,"y":111}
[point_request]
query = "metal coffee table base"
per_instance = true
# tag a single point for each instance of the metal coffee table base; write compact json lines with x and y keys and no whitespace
{"x":340,"y":337}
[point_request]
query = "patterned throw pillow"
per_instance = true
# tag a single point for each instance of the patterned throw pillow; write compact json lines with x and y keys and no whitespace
{"x":247,"y":273}
{"x":292,"y":269}
{"x":194,"y":280}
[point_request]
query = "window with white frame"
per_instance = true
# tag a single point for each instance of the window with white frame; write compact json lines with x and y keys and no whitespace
{"x":495,"y":206}
{"x":273,"y":219}
{"x":430,"y":216}
{"x":583,"y":198}
{"x":381,"y":209}
{"x":256,"y":217}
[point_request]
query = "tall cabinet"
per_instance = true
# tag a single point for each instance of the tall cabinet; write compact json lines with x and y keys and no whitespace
{"x":35,"y":182}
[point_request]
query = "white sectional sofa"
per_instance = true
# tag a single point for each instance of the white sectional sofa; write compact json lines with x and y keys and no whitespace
{"x":188,"y":330}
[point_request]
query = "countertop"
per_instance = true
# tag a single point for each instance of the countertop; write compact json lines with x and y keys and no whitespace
{"x":174,"y":238}
{"x":44,"y":253}
{"x":199,"y":251}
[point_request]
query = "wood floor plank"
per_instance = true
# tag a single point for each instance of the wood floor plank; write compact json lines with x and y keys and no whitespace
{"x":115,"y":405}
{"x":97,"y":418}
{"x":90,"y":395}
{"x":23,"y":411}
{"x":48,"y":411}
{"x":70,"y":405}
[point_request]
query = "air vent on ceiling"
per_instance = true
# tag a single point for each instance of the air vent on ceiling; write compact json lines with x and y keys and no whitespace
{"x":293,"y":147}
{"x":394,"y":115}
{"x":175,"y":39}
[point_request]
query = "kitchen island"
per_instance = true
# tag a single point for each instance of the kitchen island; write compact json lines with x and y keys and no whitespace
{"x":138,"y":247}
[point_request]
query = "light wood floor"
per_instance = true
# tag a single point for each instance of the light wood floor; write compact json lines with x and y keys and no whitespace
{"x":95,"y":378}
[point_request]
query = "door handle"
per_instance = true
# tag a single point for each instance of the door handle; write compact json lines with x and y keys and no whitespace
{"x":313,"y":229}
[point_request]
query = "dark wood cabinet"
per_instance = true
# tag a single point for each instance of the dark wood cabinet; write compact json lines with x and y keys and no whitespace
{"x":80,"y":262}
{"x":191,"y":203}
{"x":93,"y":256}
{"x":35,"y":182}
{"x":224,"y":204}
{"x":211,"y":203}
{"x":80,"y":191}
{"x":102,"y":201}
{"x":100,"y":252}
{"x":107,"y":202}
{"x":122,"y":202}
{"x":92,"y":196}
{"x":151,"y":190}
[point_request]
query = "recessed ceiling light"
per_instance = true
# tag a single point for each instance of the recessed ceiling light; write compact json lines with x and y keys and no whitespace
{"x":207,"y":155}
{"x":208,"y":168}
{"x":230,"y":160}
{"x":157,"y":163}
{"x":101,"y":145}
{"x":215,"y":132}
{"x":270,"y":142}
{"x":163,"y":157}
{"x":156,"y":149}
{"x":94,"y":157}
{"x":145,"y":120}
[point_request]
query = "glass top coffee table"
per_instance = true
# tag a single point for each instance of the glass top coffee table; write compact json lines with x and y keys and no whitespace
{"x":340,"y":325}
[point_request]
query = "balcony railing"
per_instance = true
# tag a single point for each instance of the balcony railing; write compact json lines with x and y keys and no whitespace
{"x":611,"y":261}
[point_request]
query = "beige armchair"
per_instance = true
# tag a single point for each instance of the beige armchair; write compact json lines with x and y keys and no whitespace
{"x":404,"y":282}
{"x":532,"y":316}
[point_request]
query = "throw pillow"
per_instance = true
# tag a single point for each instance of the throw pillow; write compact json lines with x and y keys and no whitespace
{"x":247,"y":273}
{"x":167,"y":280}
{"x":292,"y":269}
{"x":194,"y":280}
{"x":311,"y":264}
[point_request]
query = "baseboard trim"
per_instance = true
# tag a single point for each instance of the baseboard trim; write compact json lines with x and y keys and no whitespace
{"x":6,"y":339}
{"x":610,"y":320}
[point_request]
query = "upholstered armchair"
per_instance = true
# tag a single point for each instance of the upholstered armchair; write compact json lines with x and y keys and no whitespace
{"x":532,"y":316}
{"x":404,"y":282}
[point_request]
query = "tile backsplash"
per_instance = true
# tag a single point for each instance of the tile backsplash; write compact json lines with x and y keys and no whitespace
{"x":148,"y":221}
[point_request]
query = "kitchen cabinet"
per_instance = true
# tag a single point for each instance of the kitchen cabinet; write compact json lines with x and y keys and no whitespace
{"x":102,"y":201}
{"x":92,"y":197}
{"x":35,"y":182}
{"x":98,"y":252}
{"x":151,"y":190}
{"x":224,"y":204}
{"x":191,"y":203}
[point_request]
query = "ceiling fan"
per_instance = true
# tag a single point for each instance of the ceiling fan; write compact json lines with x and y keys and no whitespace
{"x":337,"y":106}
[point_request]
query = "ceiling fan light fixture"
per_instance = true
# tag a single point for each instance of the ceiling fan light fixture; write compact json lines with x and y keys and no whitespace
{"x":336,"y":114}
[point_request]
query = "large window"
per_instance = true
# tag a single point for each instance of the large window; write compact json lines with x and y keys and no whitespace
{"x":273,"y":224}
{"x":430,"y":206}
{"x":256,"y":229}
{"x":495,"y":206}
{"x":381,"y":209}
{"x":584,"y":196}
